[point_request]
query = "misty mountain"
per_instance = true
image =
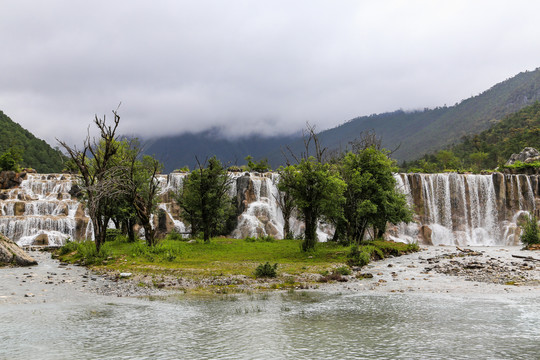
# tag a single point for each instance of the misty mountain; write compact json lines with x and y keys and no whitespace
{"x":178,"y":151}
{"x":412,"y":133}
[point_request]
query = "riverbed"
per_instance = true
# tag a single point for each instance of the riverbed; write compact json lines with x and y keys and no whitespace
{"x":407,"y":310}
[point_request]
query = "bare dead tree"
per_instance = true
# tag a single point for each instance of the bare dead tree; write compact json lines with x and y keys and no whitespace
{"x":311,"y":142}
{"x":93,"y":161}
{"x":367,"y":139}
{"x":285,"y":202}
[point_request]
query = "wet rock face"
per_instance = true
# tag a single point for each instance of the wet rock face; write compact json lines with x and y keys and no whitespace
{"x":11,"y":179}
{"x":469,"y":209}
{"x":528,"y":155}
{"x":11,"y":254}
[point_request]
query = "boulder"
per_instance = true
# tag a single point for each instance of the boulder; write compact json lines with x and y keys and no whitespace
{"x":527,"y":155}
{"x":425,"y":233}
{"x":10,"y":179}
{"x":41,"y":239}
{"x":19,"y":208}
{"x":12,"y":254}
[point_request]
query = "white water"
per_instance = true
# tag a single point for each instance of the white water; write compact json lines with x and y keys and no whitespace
{"x":45,"y":209}
{"x":465,"y":209}
{"x":457,"y":209}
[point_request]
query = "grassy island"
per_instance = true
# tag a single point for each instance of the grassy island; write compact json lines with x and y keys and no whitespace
{"x":234,"y":263}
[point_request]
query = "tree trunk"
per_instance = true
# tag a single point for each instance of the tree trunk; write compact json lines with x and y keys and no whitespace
{"x":310,"y":231}
{"x":130,"y":231}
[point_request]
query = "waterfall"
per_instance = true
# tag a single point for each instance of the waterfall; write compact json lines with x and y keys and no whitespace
{"x":40,"y":210}
{"x":467,"y":209}
{"x":450,"y":209}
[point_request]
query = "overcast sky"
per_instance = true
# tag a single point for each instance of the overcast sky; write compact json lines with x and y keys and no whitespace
{"x":250,"y":66}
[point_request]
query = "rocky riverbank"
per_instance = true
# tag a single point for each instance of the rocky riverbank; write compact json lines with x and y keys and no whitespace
{"x":432,"y":270}
{"x":449,"y":269}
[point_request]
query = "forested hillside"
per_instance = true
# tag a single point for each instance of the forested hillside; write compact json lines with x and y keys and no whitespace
{"x":420,"y":132}
{"x":36,"y":153}
{"x":488,"y":149}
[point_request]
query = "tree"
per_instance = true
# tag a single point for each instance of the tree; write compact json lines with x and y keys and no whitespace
{"x":204,"y":198}
{"x":447,"y":159}
{"x":317,"y":191}
{"x":478,"y":158}
{"x":530,"y":232}
{"x":10,"y":160}
{"x":371,"y":199}
{"x":286,"y":203}
{"x":259,"y":166}
{"x":94,"y":162}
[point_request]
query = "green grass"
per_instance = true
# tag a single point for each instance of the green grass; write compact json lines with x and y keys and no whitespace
{"x":220,"y":257}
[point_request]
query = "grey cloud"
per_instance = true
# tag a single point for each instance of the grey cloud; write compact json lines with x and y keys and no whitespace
{"x":250,"y":66}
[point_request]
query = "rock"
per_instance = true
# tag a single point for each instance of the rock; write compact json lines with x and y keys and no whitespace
{"x":75,"y":191}
{"x":19,"y":208}
{"x":41,"y":239}
{"x":10,"y":179}
{"x":125,"y":275}
{"x":12,"y":254}
{"x":425,"y":233}
{"x":526,"y":155}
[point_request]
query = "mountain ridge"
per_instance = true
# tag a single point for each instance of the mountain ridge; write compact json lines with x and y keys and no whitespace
{"x":413,"y":133}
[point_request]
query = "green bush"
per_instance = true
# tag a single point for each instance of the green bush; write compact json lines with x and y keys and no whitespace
{"x":112,"y":234}
{"x":358,"y":257}
{"x":266,"y":270}
{"x":174,"y":235}
{"x":165,"y":251}
{"x":265,"y":238}
{"x":68,"y":247}
{"x":530,"y":234}
{"x":343,"y":270}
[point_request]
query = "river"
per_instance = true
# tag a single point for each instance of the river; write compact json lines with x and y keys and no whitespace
{"x":65,"y":320}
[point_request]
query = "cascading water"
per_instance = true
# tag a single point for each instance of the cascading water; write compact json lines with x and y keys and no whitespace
{"x":451,"y":209}
{"x":40,"y":210}
{"x":467,"y":209}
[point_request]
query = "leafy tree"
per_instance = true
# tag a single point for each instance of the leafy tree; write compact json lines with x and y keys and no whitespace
{"x":371,"y":199}
{"x":317,"y":191}
{"x":10,"y":160}
{"x":479,"y":159}
{"x":447,"y":159}
{"x":530,"y":231}
{"x":204,"y":198}
{"x":260,"y":166}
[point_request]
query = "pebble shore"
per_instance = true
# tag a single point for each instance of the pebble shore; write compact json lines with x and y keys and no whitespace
{"x":435,"y":269}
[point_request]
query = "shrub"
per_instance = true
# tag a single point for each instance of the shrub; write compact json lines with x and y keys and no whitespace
{"x":68,"y":247}
{"x":530,"y":233}
{"x":112,"y":234}
{"x":265,"y":238}
{"x":343,"y":270}
{"x":266,"y":270}
{"x":358,"y":257}
{"x":174,"y":235}
{"x":165,"y":251}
